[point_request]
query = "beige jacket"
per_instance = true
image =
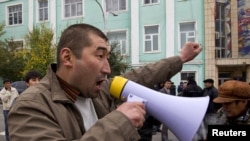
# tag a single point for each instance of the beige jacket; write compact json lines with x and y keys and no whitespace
{"x":44,"y":113}
{"x":8,"y":97}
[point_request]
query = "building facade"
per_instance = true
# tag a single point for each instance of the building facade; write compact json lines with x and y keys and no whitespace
{"x":227,"y":40}
{"x":146,"y":30}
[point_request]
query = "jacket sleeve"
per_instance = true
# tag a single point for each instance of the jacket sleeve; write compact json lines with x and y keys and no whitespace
{"x":155,"y":73}
{"x":5,"y":95}
{"x":114,"y":126}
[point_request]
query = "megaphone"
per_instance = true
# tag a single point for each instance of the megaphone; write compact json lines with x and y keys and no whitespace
{"x":182,"y":115}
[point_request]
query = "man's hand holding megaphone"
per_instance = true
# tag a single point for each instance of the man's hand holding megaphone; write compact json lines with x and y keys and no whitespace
{"x":135,"y":111}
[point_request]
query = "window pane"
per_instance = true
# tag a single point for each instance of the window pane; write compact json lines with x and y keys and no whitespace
{"x":155,"y":42}
{"x":146,"y":1}
{"x":187,"y":27}
{"x":191,"y":39}
{"x":46,"y":14}
{"x":183,"y":39}
{"x":154,"y":1}
{"x":40,"y":14}
{"x":123,"y":47}
{"x":184,"y":76}
{"x":67,"y":1}
{"x":115,"y":5}
{"x":190,"y":33}
{"x":147,"y":46}
{"x":79,"y":9}
{"x":151,"y":29}
{"x":122,"y":5}
{"x":116,"y":35}
{"x":148,"y":37}
{"x":10,"y":21}
{"x":73,"y":10}
{"x":67,"y":10}
{"x":109,"y":5}
{"x":15,"y":18}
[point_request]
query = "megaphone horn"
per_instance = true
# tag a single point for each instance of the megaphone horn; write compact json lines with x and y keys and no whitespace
{"x":182,"y":115}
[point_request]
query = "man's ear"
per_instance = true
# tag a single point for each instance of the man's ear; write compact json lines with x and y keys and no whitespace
{"x":66,"y":56}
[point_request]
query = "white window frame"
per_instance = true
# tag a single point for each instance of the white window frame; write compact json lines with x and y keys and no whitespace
{"x":38,"y":11}
{"x":112,"y":10}
{"x":187,"y":32}
{"x":188,"y":72}
{"x":126,"y":41}
{"x":150,"y":3}
{"x":151,"y":39}
{"x":64,"y":10}
{"x":7,"y":15}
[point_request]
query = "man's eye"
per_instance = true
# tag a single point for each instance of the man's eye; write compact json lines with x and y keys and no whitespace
{"x":100,"y":56}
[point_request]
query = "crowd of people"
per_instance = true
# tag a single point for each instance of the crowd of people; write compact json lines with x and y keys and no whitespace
{"x":72,"y":101}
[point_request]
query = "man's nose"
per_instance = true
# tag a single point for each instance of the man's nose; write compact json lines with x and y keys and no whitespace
{"x":106,"y":68}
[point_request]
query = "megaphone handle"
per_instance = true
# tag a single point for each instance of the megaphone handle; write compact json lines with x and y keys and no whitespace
{"x":133,"y":98}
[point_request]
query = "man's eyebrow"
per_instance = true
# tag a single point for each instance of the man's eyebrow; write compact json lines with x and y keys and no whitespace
{"x":103,"y":49}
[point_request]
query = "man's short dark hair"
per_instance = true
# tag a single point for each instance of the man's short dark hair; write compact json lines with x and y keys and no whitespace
{"x":209,"y":81}
{"x":32,"y":74}
{"x":76,"y":37}
{"x":6,"y":80}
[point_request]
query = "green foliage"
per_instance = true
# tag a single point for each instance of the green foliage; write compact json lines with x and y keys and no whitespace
{"x":11,"y":64}
{"x":38,"y":54}
{"x":41,"y":50}
{"x":116,"y":61}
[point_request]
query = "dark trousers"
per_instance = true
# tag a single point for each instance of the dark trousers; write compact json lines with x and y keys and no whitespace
{"x":5,"y":114}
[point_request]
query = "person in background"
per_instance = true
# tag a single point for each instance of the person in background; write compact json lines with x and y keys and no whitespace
{"x":183,"y":87}
{"x":234,"y":96}
{"x":212,"y":109}
{"x":167,"y":89}
{"x":8,"y":94}
{"x":192,"y":89}
{"x":32,"y":77}
{"x":212,"y":92}
{"x":73,"y":102}
{"x":180,"y":87}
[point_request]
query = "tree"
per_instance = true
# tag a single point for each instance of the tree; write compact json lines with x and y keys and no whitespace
{"x":40,"y":51}
{"x":11,"y":63}
{"x":116,"y":61}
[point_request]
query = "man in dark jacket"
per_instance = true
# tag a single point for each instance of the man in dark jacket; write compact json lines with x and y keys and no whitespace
{"x":192,"y":89}
{"x":212,"y":92}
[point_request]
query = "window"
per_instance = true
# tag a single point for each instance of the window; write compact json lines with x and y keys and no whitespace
{"x":15,"y":44}
{"x":43,"y":10}
{"x":116,"y":5}
{"x":119,"y":38}
{"x":187,"y":33}
{"x":73,"y":8}
{"x":151,"y":38}
{"x":220,"y":32}
{"x":150,"y":1}
{"x":185,"y":75}
{"x":15,"y":14}
{"x":223,"y":77}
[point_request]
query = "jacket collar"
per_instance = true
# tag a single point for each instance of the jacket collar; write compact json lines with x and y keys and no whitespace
{"x":58,"y":94}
